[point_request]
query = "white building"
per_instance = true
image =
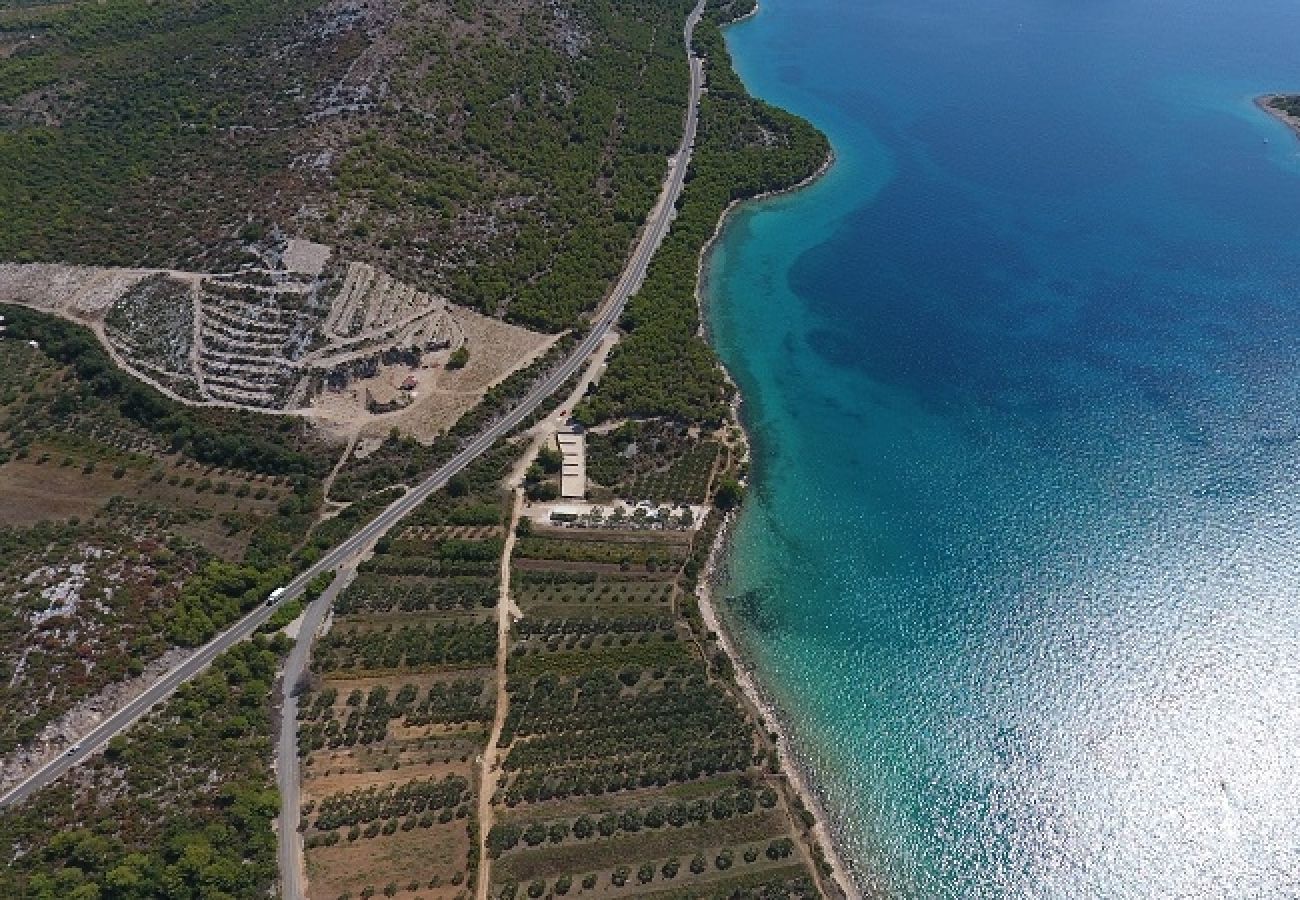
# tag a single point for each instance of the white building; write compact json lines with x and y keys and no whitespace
{"x":573,"y":471}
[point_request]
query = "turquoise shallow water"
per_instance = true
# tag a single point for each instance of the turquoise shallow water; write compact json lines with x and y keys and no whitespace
{"x":1021,"y":561}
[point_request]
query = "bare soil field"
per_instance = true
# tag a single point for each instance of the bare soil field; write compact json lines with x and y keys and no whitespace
{"x":432,"y":858}
{"x":58,"y":482}
{"x":442,"y":395}
{"x":387,"y":621}
{"x":615,"y":536}
{"x":559,"y":565}
{"x":372,"y":765}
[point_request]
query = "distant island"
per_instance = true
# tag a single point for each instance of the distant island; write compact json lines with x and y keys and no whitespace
{"x":1284,"y":107}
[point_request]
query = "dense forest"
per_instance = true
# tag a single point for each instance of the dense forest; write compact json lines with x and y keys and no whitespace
{"x":501,"y":153}
{"x":744,"y":148}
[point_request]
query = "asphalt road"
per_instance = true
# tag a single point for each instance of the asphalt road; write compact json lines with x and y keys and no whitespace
{"x":290,"y":847}
{"x":633,"y":275}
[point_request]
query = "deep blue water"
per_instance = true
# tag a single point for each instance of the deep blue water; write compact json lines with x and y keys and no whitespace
{"x":1022,"y":557}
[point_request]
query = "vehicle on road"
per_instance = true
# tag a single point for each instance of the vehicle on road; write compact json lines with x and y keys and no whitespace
{"x":275,"y":596}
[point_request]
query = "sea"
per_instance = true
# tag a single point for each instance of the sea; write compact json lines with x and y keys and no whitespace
{"x":1020,"y":561}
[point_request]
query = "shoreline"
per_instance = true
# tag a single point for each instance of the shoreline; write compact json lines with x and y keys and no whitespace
{"x":703,"y":331}
{"x":1265,"y":103}
{"x":798,"y":773}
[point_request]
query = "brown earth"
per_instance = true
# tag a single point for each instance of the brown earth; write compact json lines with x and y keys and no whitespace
{"x":420,"y":855}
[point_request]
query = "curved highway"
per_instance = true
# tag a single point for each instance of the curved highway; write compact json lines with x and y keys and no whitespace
{"x":628,"y":283}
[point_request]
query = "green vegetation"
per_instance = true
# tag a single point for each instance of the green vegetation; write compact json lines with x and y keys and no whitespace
{"x":400,"y":684}
{"x":552,"y":122}
{"x":1286,"y":103}
{"x":403,"y":460}
{"x":653,"y":460}
{"x":378,"y":594}
{"x":157,"y":524}
{"x":744,"y":148}
{"x":524,"y":142}
{"x":729,"y":495}
{"x":215,"y":597}
{"x":389,"y":802}
{"x":118,"y":578}
{"x":139,"y":133}
{"x":589,"y":548}
{"x":219,"y":437}
{"x":331,"y":722}
{"x":408,"y":647}
{"x":178,"y":807}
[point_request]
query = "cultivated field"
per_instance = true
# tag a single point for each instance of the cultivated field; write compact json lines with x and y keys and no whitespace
{"x":628,"y":764}
{"x":397,"y":708}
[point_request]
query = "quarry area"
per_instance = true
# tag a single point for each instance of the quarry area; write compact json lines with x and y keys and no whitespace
{"x":301,"y":332}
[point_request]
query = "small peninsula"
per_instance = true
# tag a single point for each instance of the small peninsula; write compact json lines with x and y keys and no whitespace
{"x":1283,"y":107}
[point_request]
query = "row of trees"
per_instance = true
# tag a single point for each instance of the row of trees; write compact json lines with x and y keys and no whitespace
{"x":377,"y":594}
{"x":392,"y":801}
{"x":679,"y":814}
{"x":410,"y":646}
{"x":699,"y":864}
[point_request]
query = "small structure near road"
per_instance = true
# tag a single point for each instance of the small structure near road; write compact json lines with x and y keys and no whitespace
{"x":573,"y":470}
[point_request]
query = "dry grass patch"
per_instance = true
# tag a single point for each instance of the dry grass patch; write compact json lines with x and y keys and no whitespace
{"x":31,"y":493}
{"x":362,"y":622}
{"x":333,"y":771}
{"x":424,"y":855}
{"x":55,"y":483}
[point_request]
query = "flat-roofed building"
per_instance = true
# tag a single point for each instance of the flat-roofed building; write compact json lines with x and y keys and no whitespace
{"x":573,"y":467}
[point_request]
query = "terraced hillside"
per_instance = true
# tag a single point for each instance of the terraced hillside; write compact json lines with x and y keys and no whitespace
{"x":498,"y":154}
{"x":340,"y":341}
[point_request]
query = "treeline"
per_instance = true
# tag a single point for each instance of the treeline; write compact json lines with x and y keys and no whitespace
{"x":744,"y":147}
{"x":180,"y":807}
{"x":220,"y":437}
{"x":677,"y":814}
{"x":409,"y":647}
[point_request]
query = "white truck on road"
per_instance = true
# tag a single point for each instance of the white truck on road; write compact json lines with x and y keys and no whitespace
{"x":275,"y":596}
